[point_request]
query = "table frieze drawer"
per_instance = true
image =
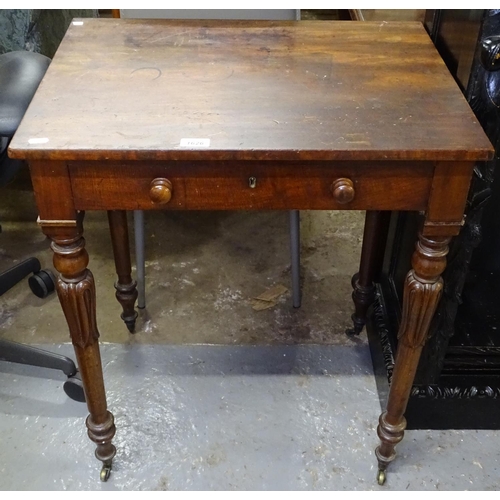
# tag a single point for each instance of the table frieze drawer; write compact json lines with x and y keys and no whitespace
{"x":251,"y":185}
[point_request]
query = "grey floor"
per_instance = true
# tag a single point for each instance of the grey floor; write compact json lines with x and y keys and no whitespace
{"x":209,"y":393}
{"x":227,"y":418}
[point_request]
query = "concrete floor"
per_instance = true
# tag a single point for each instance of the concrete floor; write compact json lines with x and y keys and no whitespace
{"x":276,"y":399}
{"x":204,"y":417}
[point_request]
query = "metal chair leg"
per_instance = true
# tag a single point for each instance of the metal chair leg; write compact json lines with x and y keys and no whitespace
{"x":295,"y":256}
{"x":294,"y":250}
{"x":139,"y":258}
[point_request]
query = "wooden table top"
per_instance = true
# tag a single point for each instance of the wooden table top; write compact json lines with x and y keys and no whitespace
{"x":309,"y":90}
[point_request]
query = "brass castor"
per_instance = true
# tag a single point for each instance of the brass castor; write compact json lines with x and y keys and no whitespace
{"x":381,"y":477}
{"x":105,"y":472}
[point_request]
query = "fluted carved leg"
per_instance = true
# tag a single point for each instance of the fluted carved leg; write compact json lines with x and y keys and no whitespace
{"x":422,"y":291}
{"x":76,"y":291}
{"x":126,"y":287}
{"x":372,"y":253}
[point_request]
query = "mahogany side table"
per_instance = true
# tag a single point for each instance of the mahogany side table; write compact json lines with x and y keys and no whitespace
{"x":192,"y":115}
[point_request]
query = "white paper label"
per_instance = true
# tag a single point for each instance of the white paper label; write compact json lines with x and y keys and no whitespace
{"x":38,"y":140}
{"x":195,"y":143}
{"x":77,"y":23}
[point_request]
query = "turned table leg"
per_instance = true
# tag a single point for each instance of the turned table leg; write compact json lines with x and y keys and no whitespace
{"x":76,"y":291}
{"x":422,"y":291}
{"x":372,"y":254}
{"x":126,"y":290}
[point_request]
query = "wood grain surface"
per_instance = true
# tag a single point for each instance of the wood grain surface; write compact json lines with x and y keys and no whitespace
{"x":307,"y":90}
{"x":226,"y":185}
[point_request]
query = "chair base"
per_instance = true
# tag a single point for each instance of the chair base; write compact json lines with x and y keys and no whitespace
{"x":42,"y":283}
{"x":29,"y":355}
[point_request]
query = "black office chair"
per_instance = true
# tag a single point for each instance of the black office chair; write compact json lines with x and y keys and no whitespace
{"x":20,"y":75}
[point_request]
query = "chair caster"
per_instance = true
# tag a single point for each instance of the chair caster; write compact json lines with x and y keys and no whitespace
{"x":73,"y":387}
{"x":42,"y":283}
{"x":105,"y":472}
{"x":381,"y":477}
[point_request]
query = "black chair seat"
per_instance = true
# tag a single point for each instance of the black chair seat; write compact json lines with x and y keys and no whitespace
{"x":20,"y":74}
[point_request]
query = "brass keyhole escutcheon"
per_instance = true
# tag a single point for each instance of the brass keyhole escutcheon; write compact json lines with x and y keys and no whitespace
{"x":252,"y":182}
{"x":160,"y":191}
{"x":343,"y":190}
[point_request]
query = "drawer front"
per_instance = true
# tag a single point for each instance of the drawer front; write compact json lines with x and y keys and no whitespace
{"x":248,"y":185}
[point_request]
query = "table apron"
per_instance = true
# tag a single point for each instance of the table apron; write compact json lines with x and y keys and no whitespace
{"x":251,"y":185}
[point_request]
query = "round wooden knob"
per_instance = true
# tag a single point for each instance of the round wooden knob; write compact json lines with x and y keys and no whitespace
{"x":343,"y":190}
{"x":160,"y":191}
